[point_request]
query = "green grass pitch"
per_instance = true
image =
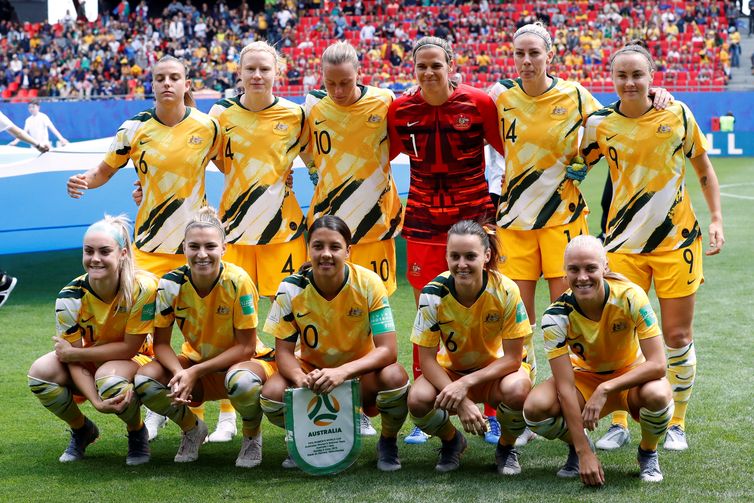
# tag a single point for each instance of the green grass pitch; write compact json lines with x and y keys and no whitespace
{"x":718,"y":466}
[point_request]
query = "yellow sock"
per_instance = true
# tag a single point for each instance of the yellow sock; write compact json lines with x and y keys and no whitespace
{"x":620,"y":418}
{"x":226,"y":406}
{"x":198,"y":411}
{"x":681,"y":375}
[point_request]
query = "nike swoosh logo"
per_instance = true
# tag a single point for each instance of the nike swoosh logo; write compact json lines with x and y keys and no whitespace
{"x":412,"y":123}
{"x":227,"y":129}
{"x":508,"y":109}
{"x":181,"y":308}
{"x":87,"y":320}
{"x":142,"y":142}
{"x":317,"y":123}
{"x":444,"y":322}
{"x":301,"y":315}
{"x":608,"y":138}
{"x":690,"y":281}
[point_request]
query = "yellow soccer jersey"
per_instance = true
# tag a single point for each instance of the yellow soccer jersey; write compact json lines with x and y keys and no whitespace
{"x":541,"y":137}
{"x":472,"y":337}
{"x":651,"y":210}
{"x":257,"y":208}
{"x":170,"y":164}
{"x":332,"y":332}
{"x":606,"y":345}
{"x":207,"y":323}
{"x":351,"y":151}
{"x":81,"y":315}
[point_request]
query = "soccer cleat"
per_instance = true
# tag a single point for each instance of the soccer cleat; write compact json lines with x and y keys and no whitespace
{"x":191,"y":440}
{"x":80,"y":440}
{"x":571,"y":467}
{"x":251,"y":452}
{"x":288,"y":463}
{"x":154,"y":421}
{"x":138,"y":447}
{"x":492,"y":435}
{"x":7,"y":284}
{"x":524,"y":438}
{"x":450,"y":453}
{"x":675,"y":439}
{"x":649,"y":465}
{"x":367,"y":430}
{"x":417,"y":436}
{"x":615,"y":437}
{"x":387,"y":455}
{"x":226,"y":428}
{"x":506,"y":460}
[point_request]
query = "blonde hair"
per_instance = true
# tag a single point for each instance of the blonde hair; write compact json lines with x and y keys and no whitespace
{"x":340,"y":52}
{"x":592,"y":244}
{"x":204,"y":218}
{"x":538,"y":29}
{"x":188,"y":98}
{"x":443,"y":44}
{"x":262,"y":46}
{"x":119,"y":229}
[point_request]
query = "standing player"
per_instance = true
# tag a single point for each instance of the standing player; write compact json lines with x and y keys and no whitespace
{"x":170,"y":147}
{"x":261,"y":215}
{"x":214,"y":303}
{"x":103,"y":318}
{"x":350,"y":153}
{"x":476,"y":316}
{"x":341,"y":314}
{"x":8,"y":282}
{"x":605,"y":351}
{"x":38,"y":125}
{"x":652,"y":231}
{"x":442,"y":128}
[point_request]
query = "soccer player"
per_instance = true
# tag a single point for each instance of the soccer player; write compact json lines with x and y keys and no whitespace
{"x":652,"y":231}
{"x":605,"y":351}
{"x":38,"y":125}
{"x":214,"y":303}
{"x":477,"y":317}
{"x":350,"y":157}
{"x":442,"y":128}
{"x":170,"y":146}
{"x":340,"y":313}
{"x":103,"y":320}
{"x":8,"y":282}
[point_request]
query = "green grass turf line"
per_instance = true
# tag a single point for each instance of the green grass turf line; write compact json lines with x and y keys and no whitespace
{"x":717,"y":467}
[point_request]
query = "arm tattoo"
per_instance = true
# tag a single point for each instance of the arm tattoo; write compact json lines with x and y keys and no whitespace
{"x":703,"y":181}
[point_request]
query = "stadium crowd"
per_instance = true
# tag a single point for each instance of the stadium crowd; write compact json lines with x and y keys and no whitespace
{"x":692,"y":42}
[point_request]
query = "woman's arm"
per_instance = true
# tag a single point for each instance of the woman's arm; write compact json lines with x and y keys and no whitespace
{"x":288,"y":365}
{"x":124,"y":350}
{"x":711,"y":190}
{"x":84,"y":381}
{"x":384,"y":354}
{"x":95,"y":177}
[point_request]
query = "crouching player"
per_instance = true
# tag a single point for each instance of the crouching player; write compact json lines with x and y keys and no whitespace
{"x":103,"y":318}
{"x":214,"y":303}
{"x":606,"y":353}
{"x":340,"y":313}
{"x":478,"y":316}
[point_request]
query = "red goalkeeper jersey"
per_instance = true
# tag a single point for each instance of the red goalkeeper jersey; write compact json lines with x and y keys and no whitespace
{"x":446,"y":146}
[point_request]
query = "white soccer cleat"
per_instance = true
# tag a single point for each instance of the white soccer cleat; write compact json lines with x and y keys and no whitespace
{"x":616,"y":436}
{"x":191,"y":440}
{"x":367,"y":430}
{"x":251,"y":452}
{"x":675,"y":439}
{"x":226,"y":428}
{"x":154,"y":421}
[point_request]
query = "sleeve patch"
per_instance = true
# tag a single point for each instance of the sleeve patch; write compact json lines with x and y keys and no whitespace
{"x":648,"y":316}
{"x":148,"y":312}
{"x":247,"y":304}
{"x":521,"y":312}
{"x":381,"y":321}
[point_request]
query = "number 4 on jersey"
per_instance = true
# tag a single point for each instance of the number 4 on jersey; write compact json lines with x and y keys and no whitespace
{"x":510,"y":134}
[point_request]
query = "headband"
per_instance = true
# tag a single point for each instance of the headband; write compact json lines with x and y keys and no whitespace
{"x":108,"y":229}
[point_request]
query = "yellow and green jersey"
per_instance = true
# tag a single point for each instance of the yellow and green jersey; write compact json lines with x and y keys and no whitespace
{"x":257,"y":207}
{"x":610,"y":344}
{"x":82,"y":316}
{"x":650,"y":210}
{"x":332,"y":332}
{"x":541,"y":137}
{"x":351,"y":153}
{"x":170,"y":164}
{"x":471,"y":337}
{"x":208,"y":323}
